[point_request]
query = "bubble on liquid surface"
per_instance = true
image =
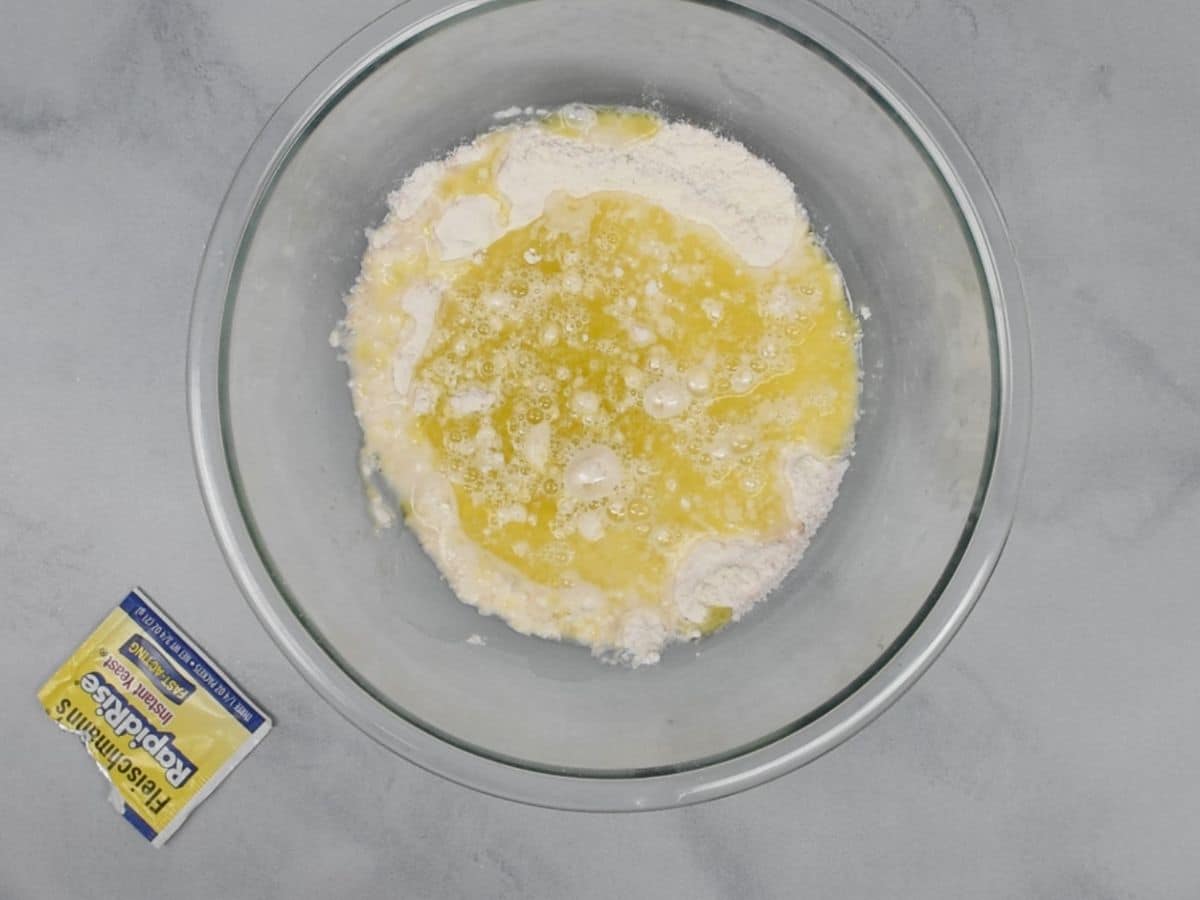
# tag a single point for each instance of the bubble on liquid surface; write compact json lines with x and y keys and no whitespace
{"x":698,"y":380}
{"x":585,"y":403}
{"x":593,"y":473}
{"x":578,"y":116}
{"x":741,"y":380}
{"x":665,"y":399}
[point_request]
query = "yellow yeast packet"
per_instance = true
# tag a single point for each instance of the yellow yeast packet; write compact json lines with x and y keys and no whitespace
{"x":162,"y":721}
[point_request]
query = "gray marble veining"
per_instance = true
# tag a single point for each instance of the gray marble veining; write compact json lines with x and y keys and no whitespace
{"x":1049,"y":753}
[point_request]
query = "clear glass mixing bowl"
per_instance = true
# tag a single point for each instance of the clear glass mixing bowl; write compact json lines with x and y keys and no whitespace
{"x":924,"y":510}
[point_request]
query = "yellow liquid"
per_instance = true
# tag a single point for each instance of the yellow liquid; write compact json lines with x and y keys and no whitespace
{"x":574,"y":324}
{"x":479,"y":177}
{"x":605,"y":125}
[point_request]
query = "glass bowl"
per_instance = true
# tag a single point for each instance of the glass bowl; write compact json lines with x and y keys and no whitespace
{"x":924,"y":510}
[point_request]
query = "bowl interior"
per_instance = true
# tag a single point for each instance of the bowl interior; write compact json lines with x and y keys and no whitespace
{"x":925,"y":438}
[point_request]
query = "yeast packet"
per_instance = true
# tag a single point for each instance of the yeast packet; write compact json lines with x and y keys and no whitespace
{"x":162,"y":721}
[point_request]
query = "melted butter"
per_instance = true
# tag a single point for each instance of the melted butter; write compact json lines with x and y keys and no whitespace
{"x":716,"y":619}
{"x":478,"y":177}
{"x":603,"y":125}
{"x":384,"y":277}
{"x":613,"y":382}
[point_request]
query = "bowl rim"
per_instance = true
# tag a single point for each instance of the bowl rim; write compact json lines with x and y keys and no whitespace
{"x":944,"y":612}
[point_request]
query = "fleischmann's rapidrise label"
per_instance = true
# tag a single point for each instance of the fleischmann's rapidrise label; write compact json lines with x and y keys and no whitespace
{"x":162,"y":721}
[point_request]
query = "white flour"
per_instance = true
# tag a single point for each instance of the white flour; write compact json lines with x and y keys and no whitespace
{"x":695,"y":175}
{"x":739,"y":573}
{"x":690,"y":171}
{"x":687,"y":170}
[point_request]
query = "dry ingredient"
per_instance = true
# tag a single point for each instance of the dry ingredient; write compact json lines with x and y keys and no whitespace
{"x":161,"y":721}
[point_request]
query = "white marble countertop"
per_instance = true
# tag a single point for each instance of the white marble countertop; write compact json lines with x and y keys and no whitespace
{"x":1049,"y":753}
